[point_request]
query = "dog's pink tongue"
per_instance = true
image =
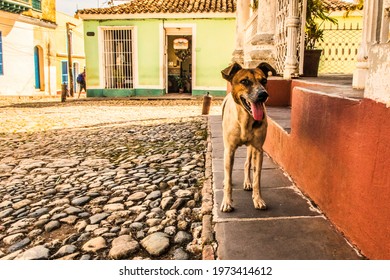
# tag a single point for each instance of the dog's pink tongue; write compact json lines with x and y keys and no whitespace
{"x":257,"y":111}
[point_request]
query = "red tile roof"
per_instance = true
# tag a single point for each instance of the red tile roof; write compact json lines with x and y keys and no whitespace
{"x":337,"y":5}
{"x":167,"y":6}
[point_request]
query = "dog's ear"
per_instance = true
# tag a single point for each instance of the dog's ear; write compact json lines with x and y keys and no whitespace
{"x":229,"y":72}
{"x":266,"y":68}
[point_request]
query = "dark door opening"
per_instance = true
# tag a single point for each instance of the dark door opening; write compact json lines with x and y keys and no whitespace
{"x":179,"y":64}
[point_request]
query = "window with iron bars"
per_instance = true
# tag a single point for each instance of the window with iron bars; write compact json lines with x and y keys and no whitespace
{"x":118,"y":58}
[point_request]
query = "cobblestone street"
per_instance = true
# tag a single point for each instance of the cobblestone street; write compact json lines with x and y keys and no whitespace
{"x":102,"y":179}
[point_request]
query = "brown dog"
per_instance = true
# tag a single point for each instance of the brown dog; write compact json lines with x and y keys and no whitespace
{"x":244,"y":122}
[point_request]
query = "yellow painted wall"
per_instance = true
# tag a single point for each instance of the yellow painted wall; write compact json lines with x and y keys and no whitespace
{"x":19,"y":38}
{"x":340,"y":47}
{"x":47,"y":13}
{"x":78,"y":54}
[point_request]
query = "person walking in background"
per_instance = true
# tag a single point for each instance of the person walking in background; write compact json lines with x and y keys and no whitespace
{"x":81,"y":81}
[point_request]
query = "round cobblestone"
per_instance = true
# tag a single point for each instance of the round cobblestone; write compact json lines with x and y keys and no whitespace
{"x":72,"y":184}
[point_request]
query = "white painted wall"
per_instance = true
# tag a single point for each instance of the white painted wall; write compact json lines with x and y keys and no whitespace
{"x":378,"y":82}
{"x":19,"y":37}
{"x":18,"y":60}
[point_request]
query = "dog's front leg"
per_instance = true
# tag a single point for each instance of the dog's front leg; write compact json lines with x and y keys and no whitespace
{"x":257,"y":157}
{"x":227,"y":201}
{"x":247,"y":169}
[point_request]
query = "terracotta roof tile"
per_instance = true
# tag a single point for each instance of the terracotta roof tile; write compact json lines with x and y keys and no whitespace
{"x":167,"y":6}
{"x":337,"y":5}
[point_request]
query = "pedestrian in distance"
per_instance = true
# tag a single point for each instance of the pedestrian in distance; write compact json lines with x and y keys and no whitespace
{"x":81,"y":81}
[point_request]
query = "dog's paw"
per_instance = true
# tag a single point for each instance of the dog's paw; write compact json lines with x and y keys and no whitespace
{"x":226,"y":207}
{"x":248,"y":186}
{"x":259,"y":204}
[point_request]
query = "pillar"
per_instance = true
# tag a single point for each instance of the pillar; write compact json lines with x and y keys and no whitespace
{"x":242,"y":16}
{"x":377,"y":84}
{"x":262,"y":47}
{"x":292,"y":24}
{"x":369,"y":37}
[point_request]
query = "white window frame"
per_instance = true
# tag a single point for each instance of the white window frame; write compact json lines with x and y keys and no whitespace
{"x":164,"y":58}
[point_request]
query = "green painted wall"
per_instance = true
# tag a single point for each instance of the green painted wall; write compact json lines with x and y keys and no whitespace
{"x":91,"y":53}
{"x":214,"y":49}
{"x":214,"y":41}
{"x":148,"y":39}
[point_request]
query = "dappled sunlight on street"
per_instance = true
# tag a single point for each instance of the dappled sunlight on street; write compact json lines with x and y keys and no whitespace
{"x":51,"y":114}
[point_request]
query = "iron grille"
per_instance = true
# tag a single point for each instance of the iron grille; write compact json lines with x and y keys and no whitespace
{"x":282,"y":13}
{"x":340,"y":48}
{"x":281,"y":34}
{"x":118,"y":58}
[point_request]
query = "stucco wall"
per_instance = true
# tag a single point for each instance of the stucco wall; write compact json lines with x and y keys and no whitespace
{"x":214,"y":49}
{"x":92,"y":58}
{"x":147,"y":51}
{"x":17,"y":51}
{"x":47,"y":13}
{"x":338,"y":154}
{"x":19,"y":39}
{"x":78,"y":54}
{"x":148,"y":60}
{"x":378,"y":82}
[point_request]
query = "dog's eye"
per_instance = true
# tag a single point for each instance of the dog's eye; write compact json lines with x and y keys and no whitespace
{"x":246,"y":82}
{"x":263,"y":81}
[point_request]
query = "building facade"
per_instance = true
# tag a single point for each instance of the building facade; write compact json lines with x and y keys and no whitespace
{"x":151,"y":48}
{"x":336,"y":150}
{"x":69,"y":29}
{"x":27,"y":47}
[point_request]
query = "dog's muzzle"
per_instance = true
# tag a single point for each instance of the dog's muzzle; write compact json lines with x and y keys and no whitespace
{"x":254,"y":104}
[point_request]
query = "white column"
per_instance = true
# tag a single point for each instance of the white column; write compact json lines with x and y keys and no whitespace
{"x":266,"y":20}
{"x":370,"y":25}
{"x":377,"y":86}
{"x":378,"y":76}
{"x":262,"y":46}
{"x":292,"y":24}
{"x":242,"y":16}
{"x":385,"y":34}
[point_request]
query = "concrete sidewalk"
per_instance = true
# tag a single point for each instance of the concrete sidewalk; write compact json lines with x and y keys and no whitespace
{"x":290,"y":229}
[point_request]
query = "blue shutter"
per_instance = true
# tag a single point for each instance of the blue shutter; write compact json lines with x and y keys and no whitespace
{"x":64,"y":72}
{"x":37,"y":67}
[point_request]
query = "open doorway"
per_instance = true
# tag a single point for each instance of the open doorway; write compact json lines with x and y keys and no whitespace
{"x":179,"y":60}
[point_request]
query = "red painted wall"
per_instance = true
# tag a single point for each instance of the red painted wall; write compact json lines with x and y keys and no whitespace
{"x":338,"y":153}
{"x":279,"y":92}
{"x":278,"y":89}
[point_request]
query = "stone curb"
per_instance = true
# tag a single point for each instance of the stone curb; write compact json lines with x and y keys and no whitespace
{"x":208,"y":241}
